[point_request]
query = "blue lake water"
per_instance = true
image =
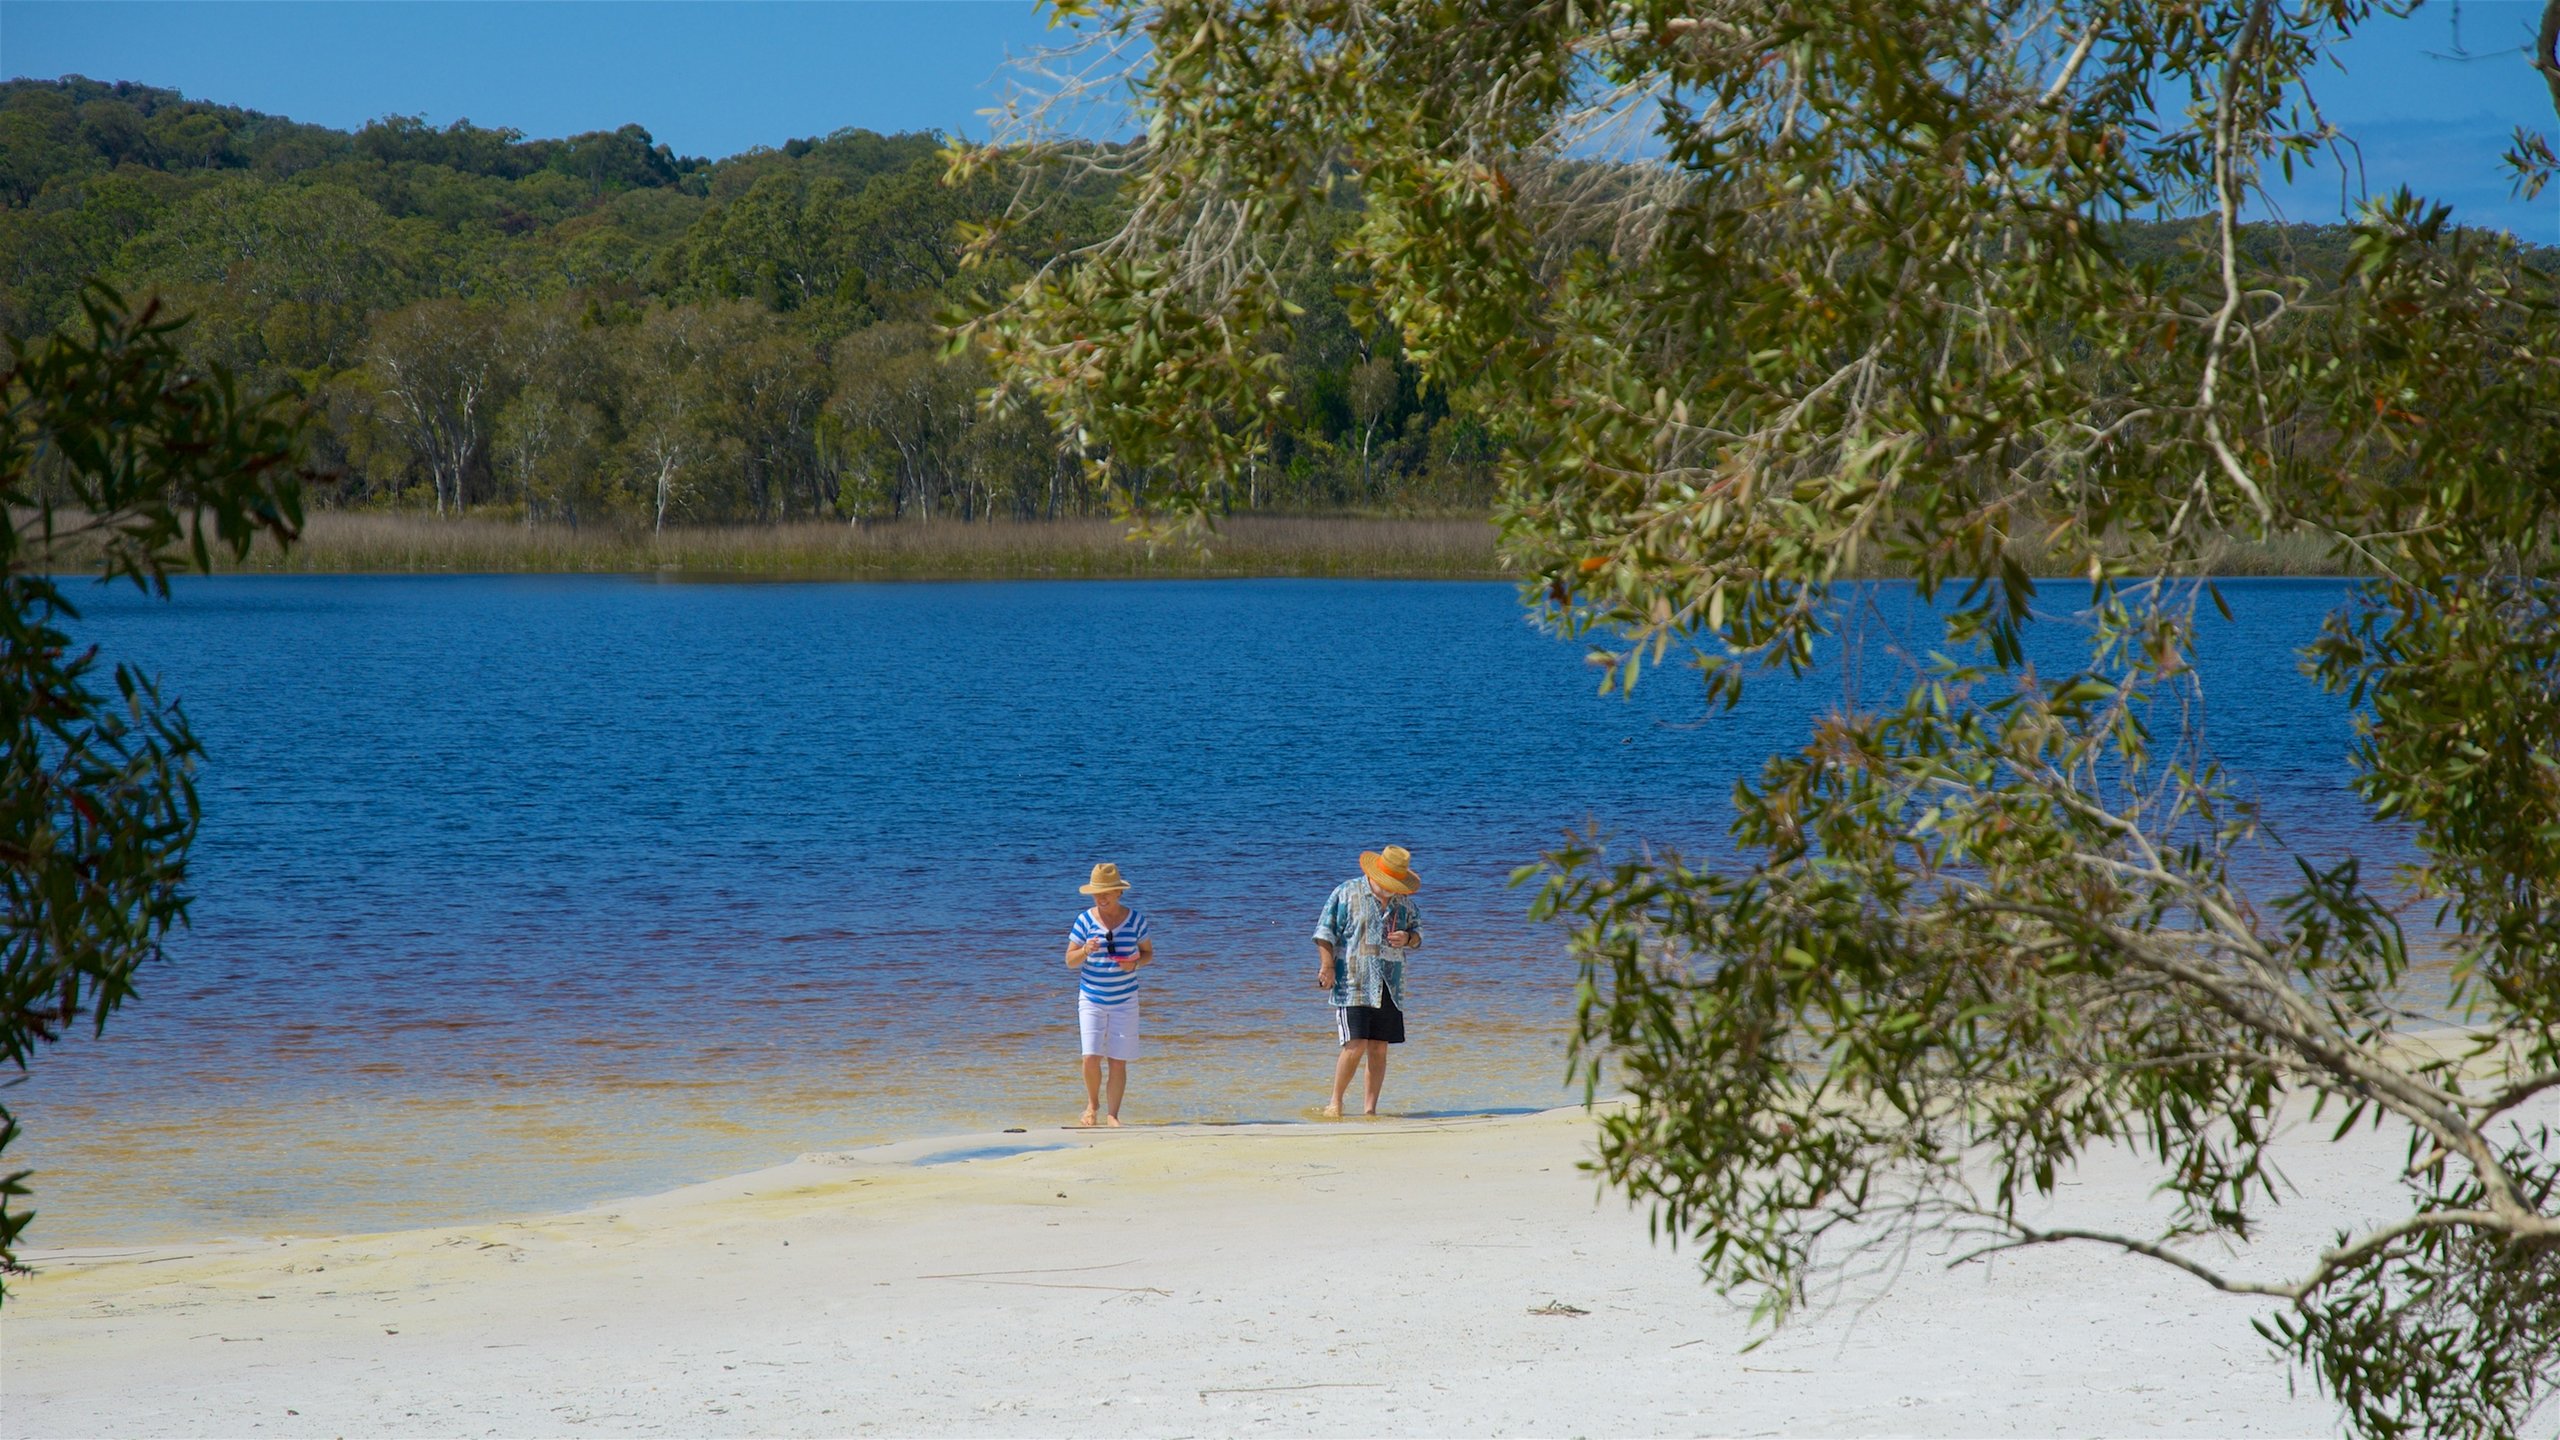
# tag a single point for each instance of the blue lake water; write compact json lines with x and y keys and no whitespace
{"x":520,"y":892}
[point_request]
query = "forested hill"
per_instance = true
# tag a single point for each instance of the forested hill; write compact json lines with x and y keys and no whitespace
{"x":597,"y":329}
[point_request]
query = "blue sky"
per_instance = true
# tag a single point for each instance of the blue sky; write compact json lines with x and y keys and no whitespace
{"x":714,"y":79}
{"x":2436,"y":123}
{"x":708,"y":79}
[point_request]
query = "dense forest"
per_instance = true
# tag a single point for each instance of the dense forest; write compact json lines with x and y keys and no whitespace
{"x":596,"y":329}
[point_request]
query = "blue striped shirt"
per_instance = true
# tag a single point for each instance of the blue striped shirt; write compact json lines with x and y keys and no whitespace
{"x":1103,"y":980}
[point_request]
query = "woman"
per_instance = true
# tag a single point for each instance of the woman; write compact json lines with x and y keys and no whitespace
{"x":1107,"y":948}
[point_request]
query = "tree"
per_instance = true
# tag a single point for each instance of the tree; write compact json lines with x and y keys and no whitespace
{"x":906,"y":249}
{"x":1777,"y":292}
{"x":115,"y":130}
{"x":47,"y":251}
{"x":38,"y":140}
{"x":672,"y":430}
{"x":436,"y":367}
{"x":189,"y":137}
{"x":1372,"y":393}
{"x":282,"y":284}
{"x":787,"y":242}
{"x":901,"y":416}
{"x":619,"y":159}
{"x":115,"y":453}
{"x":773,"y":389}
{"x":550,"y":435}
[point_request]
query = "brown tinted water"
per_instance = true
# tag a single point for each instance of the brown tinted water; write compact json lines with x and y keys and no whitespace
{"x":520,"y":893}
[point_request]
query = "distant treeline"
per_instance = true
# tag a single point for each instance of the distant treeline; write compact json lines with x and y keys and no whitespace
{"x":597,"y":329}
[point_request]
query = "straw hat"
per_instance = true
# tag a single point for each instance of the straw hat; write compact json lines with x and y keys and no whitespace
{"x":1106,"y":880}
{"x":1390,"y":870}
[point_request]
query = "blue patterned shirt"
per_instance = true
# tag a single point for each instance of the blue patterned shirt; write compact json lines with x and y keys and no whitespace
{"x":1355,"y":922}
{"x":1105,"y":978}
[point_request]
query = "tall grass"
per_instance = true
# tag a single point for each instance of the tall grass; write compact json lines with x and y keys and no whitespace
{"x":1346,"y":547}
{"x":337,"y":542}
{"x":2292,"y":553}
{"x":2297,"y":553}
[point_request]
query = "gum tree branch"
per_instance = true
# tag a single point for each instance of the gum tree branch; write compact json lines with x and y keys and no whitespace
{"x":2332,"y":1264}
{"x":2227,"y":194}
{"x":2546,"y":50}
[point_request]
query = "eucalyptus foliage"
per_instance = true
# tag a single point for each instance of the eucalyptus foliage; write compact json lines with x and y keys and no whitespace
{"x":115,"y":455}
{"x":593,"y":332}
{"x":1773,"y":289}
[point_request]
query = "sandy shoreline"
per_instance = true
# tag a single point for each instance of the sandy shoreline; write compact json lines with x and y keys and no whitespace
{"x":1379,"y":1278}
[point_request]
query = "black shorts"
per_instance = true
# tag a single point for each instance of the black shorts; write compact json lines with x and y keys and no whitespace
{"x":1370,"y":1022}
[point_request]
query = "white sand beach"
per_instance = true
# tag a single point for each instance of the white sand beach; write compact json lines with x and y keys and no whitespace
{"x":1392,"y":1277}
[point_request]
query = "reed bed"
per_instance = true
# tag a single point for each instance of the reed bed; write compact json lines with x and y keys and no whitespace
{"x":2226,"y":557}
{"x":1346,"y":548}
{"x":2295,"y":554}
{"x":1333,"y":547}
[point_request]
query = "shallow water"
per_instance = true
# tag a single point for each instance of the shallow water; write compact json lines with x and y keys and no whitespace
{"x":520,"y":892}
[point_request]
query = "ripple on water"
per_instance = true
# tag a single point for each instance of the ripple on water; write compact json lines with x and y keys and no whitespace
{"x":515,"y":893}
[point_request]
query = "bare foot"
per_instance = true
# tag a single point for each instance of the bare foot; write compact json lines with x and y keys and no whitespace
{"x":1369,"y":1114}
{"x":1111,"y":1120}
{"x":1087,"y":1122}
{"x":1333,"y":1112}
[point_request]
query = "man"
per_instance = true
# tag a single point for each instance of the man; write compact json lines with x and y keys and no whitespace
{"x":1368,"y":926}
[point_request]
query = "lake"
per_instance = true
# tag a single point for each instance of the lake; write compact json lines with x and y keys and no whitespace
{"x":516,"y":893}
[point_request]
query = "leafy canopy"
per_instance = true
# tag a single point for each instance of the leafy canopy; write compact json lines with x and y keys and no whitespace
{"x":1768,"y":290}
{"x":115,"y":454}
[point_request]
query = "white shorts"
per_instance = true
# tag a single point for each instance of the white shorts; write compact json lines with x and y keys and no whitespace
{"x":1110,"y":1031}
